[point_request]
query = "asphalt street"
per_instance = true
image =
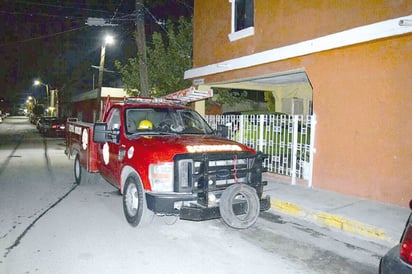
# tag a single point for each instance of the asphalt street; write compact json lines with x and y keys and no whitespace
{"x":48,"y":224}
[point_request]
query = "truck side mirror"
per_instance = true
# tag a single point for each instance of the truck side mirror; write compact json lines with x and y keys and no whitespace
{"x":222,"y":131}
{"x":102,"y":135}
{"x":99,"y":132}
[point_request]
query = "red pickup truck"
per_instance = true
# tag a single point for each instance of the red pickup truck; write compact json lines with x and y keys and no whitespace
{"x":166,"y":160}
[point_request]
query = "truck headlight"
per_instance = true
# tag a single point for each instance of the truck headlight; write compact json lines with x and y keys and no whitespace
{"x":161,"y":177}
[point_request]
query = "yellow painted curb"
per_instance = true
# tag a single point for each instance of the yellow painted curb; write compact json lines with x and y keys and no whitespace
{"x":330,"y":220}
{"x":286,"y":207}
{"x":350,"y":226}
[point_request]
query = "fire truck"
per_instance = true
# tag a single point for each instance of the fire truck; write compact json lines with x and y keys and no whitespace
{"x":166,"y":160}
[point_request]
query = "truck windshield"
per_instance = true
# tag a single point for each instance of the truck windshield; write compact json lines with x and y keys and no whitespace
{"x":165,"y":121}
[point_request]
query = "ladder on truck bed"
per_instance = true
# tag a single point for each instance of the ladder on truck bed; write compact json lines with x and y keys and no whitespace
{"x":189,"y":95}
{"x":184,"y":96}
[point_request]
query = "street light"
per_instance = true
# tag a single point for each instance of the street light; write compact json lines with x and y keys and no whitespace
{"x":52,"y":105}
{"x":107,"y":41}
{"x":38,"y":83}
{"x":31,"y":102}
{"x":30,"y":98}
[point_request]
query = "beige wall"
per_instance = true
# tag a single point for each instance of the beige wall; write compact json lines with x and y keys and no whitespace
{"x":362,"y":94}
{"x":301,"y":90}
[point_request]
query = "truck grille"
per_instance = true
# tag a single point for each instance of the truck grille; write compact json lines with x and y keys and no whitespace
{"x":211,"y":172}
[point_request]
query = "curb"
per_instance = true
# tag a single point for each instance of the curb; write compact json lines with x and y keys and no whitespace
{"x":332,"y":221}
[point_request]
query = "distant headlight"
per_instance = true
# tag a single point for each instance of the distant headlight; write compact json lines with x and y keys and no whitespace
{"x":161,"y":177}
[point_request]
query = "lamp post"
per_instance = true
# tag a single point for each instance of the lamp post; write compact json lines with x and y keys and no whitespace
{"x":38,"y":83}
{"x":31,"y":102}
{"x":52,"y":94}
{"x":107,"y":41}
{"x":32,"y":98}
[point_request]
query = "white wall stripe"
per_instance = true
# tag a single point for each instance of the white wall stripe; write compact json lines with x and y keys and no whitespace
{"x":349,"y":37}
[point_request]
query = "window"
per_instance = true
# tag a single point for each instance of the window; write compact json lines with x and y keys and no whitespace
{"x":242,"y":24}
{"x":114,"y":120}
{"x":243,"y":14}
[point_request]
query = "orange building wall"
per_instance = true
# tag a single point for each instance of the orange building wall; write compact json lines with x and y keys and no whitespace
{"x":363,"y":102}
{"x":280,"y":23}
{"x":362,"y":94}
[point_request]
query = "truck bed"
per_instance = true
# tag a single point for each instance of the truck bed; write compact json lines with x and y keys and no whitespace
{"x":79,"y":139}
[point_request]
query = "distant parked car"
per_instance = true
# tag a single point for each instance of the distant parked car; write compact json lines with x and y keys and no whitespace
{"x":51,"y":126}
{"x":399,"y":258}
{"x":57,"y":129}
{"x":42,"y":122}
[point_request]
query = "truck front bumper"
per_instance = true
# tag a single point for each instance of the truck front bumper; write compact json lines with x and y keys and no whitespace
{"x":186,"y":206}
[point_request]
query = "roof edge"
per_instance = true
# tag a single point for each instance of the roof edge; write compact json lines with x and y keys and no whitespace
{"x":383,"y":29}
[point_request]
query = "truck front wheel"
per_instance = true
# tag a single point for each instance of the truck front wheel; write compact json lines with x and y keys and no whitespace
{"x":134,"y":203}
{"x":233,"y":196}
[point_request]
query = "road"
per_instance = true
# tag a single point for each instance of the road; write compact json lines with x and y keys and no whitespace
{"x":48,"y":224}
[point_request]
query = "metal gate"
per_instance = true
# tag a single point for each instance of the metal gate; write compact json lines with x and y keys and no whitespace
{"x":286,"y":139}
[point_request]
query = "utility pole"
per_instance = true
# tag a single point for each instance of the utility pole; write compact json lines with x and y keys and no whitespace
{"x":141,"y":48}
{"x":100,"y":85}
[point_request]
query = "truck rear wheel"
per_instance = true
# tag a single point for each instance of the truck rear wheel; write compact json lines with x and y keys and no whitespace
{"x":233,"y":195}
{"x":134,"y":203}
{"x":77,"y":169}
{"x":81,"y":175}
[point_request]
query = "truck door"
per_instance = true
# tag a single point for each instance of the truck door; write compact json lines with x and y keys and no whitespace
{"x":109,"y":151}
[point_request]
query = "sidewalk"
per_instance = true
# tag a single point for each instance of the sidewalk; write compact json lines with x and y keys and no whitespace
{"x":372,"y":220}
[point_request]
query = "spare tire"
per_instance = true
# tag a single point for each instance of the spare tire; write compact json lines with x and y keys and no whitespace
{"x":233,"y":196}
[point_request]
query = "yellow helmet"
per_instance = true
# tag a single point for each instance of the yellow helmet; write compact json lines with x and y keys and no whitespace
{"x":145,"y":124}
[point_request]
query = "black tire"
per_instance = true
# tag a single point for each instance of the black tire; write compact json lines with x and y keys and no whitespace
{"x":78,"y":170}
{"x":134,"y":203}
{"x":239,"y":193}
{"x":81,"y":175}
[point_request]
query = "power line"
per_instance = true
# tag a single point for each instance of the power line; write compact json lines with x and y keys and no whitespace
{"x":73,"y":6}
{"x":116,"y":11}
{"x":41,"y":15}
{"x":42,"y":37}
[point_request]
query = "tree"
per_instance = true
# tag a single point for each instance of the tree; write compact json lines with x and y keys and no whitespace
{"x":38,"y":109}
{"x":140,"y":37}
{"x":228,"y":97}
{"x":270,"y":101}
{"x":168,"y":57}
{"x":171,"y":57}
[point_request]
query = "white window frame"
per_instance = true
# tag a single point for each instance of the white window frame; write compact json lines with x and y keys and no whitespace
{"x":236,"y":35}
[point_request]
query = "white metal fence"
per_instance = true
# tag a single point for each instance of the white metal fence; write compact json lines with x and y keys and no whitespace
{"x":286,"y":139}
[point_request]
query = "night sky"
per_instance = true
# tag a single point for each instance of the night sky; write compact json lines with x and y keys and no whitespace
{"x":50,"y":41}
